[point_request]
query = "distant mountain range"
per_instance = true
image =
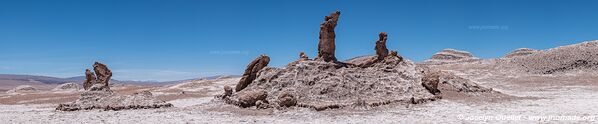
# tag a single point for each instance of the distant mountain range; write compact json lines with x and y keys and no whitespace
{"x":14,"y":80}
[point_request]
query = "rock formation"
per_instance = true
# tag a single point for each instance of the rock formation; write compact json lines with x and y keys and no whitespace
{"x":381,"y":53}
{"x":325,"y":83}
{"x":228,"y":91}
{"x":103,"y":74}
{"x":251,"y":71}
{"x":90,"y":79}
{"x":326,"y":45}
{"x":286,"y":100}
{"x":99,"y":96}
{"x":430,"y":81}
{"x":250,"y":98}
{"x":381,"y":50}
{"x":303,"y":57}
{"x":575,"y":57}
{"x":101,"y":77}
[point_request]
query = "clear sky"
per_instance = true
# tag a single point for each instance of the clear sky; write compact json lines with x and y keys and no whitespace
{"x":180,"y":39}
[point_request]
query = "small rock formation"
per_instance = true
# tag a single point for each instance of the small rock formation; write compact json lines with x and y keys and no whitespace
{"x":326,"y":45}
{"x":99,"y":96}
{"x":23,"y":89}
{"x":450,"y":56}
{"x":228,"y":91}
{"x":381,"y":53}
{"x":521,"y":52}
{"x":90,"y":79}
{"x":286,"y":100}
{"x":251,"y":71}
{"x":249,"y":99}
{"x":303,"y":57}
{"x":103,"y":74}
{"x":102,"y":77}
{"x":381,"y":50}
{"x":67,"y":87}
{"x":430,"y":81}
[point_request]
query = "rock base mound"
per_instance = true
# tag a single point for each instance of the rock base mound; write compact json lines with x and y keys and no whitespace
{"x":323,"y":85}
{"x":107,"y":100}
{"x":23,"y":89}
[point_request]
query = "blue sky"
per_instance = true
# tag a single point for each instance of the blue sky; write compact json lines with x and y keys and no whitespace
{"x":180,"y":39}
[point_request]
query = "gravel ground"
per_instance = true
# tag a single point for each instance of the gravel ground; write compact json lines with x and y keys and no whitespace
{"x":552,"y":101}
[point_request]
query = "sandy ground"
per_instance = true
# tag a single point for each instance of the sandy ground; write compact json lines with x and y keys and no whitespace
{"x":547,"y":98}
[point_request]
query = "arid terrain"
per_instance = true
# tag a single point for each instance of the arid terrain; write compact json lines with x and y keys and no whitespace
{"x":566,"y":96}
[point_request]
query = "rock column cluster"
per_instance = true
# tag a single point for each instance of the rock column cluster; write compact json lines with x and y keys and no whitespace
{"x":98,"y":80}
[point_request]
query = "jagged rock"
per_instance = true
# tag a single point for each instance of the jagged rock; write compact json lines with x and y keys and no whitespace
{"x":90,"y":79}
{"x":248,"y":99}
{"x":521,"y":52}
{"x":430,"y":81}
{"x":286,"y":100}
{"x":228,"y":91}
{"x":381,"y":50}
{"x":262,"y":105}
{"x":67,"y":87}
{"x":303,"y":57}
{"x":23,"y":89}
{"x":251,"y":71}
{"x":103,"y":74}
{"x":326,"y":45}
{"x":381,"y":53}
{"x":393,"y":53}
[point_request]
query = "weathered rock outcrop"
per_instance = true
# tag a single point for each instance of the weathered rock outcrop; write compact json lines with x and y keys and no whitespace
{"x":381,"y":54}
{"x":326,"y":43}
{"x":251,"y":71}
{"x":303,"y":57}
{"x":430,"y":81}
{"x":90,"y":79}
{"x":286,"y":99}
{"x":325,"y":83}
{"x":521,"y":52}
{"x":101,"y":77}
{"x":103,"y":74}
{"x":99,"y":96}
{"x":381,"y":50}
{"x":250,"y":98}
{"x":69,"y":87}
